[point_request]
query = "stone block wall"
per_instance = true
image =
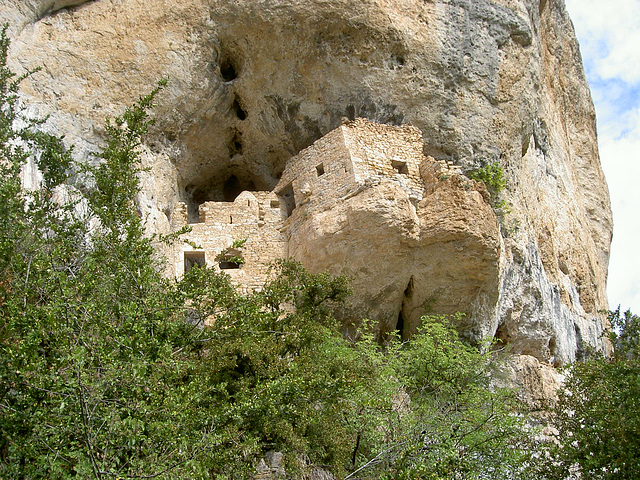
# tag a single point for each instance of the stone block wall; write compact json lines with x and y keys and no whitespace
{"x":393,"y":152}
{"x":320,"y":174}
{"x":356,"y":154}
{"x":354,"y":158}
{"x":254,"y":216}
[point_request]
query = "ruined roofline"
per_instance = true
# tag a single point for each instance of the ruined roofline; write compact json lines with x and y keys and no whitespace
{"x":246,"y":207}
{"x":335,"y":166}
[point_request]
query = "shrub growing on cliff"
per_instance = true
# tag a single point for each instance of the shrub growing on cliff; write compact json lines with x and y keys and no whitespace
{"x":448,"y":422}
{"x":105,"y":368}
{"x":492,"y":175}
{"x":598,"y":413}
{"x":91,"y":334}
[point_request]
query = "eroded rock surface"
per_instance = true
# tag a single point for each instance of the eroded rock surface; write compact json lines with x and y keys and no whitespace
{"x":413,"y":234}
{"x":537,"y":382}
{"x":255,"y":82}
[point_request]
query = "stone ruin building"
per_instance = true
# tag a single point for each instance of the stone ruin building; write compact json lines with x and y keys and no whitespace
{"x":339,"y":165}
{"x":312,"y":215}
{"x":414,"y":235}
{"x":486,"y":82}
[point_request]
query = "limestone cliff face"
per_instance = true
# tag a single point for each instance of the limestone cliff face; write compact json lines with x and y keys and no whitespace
{"x":253,"y":82}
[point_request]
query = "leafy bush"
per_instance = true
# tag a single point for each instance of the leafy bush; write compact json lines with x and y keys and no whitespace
{"x":598,"y":413}
{"x":448,"y":422}
{"x":492,"y":175}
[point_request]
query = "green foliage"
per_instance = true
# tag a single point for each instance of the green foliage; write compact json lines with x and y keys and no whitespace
{"x":239,"y":243}
{"x":598,"y":413}
{"x":285,"y":378}
{"x":91,"y":334}
{"x":116,"y":181}
{"x":109,"y":370}
{"x":233,"y":254}
{"x":20,"y":139}
{"x":447,"y":421}
{"x":492,"y":175}
{"x":625,"y":334}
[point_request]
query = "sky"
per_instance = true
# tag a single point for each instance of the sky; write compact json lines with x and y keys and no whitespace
{"x":609,"y":36}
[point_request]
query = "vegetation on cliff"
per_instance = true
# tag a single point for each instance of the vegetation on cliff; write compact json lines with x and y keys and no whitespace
{"x":598,"y":413}
{"x":108,"y":370}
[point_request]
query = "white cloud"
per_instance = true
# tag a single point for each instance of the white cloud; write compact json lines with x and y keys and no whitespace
{"x":621,"y":163}
{"x":609,"y":33}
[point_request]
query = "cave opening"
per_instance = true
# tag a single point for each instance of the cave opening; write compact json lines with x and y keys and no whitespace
{"x":501,"y":337}
{"x":228,"y":68}
{"x":581,"y":349}
{"x":351,"y":112}
{"x":400,"y":325}
{"x":237,"y":108}
{"x":235,"y":145}
{"x":553,"y":352}
{"x":403,"y":326}
{"x":408,"y":291}
{"x":233,"y":187}
{"x":223,"y":157}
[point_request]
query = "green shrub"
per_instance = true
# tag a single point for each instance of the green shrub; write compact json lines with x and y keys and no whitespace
{"x":110,"y":370}
{"x":492,"y":175}
{"x":598,"y":413}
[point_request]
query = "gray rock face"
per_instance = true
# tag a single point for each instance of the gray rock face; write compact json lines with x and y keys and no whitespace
{"x":254,"y":82}
{"x":22,"y":12}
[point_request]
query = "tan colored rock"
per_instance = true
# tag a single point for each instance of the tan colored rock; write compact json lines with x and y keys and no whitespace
{"x":537,"y":382}
{"x":21,"y":12}
{"x":254,"y":83}
{"x":414,"y":235}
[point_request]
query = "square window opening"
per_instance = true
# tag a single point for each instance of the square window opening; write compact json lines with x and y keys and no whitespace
{"x":320,"y":169}
{"x":229,"y":265}
{"x":230,"y":259}
{"x":193,"y":259}
{"x":400,"y":167}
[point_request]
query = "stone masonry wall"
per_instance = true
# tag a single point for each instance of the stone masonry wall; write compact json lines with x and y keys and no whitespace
{"x":254,"y":216}
{"x":388,"y":151}
{"x":357,"y":154}
{"x":321,"y":173}
{"x":337,"y":167}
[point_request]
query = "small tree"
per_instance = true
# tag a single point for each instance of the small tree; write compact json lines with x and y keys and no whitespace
{"x":448,"y":422}
{"x":492,"y":175}
{"x":598,"y":413}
